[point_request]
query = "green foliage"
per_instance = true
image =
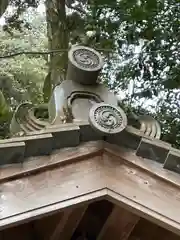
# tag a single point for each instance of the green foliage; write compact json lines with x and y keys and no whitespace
{"x":14,"y":20}
{"x":22,"y":77}
{"x":140,"y":42}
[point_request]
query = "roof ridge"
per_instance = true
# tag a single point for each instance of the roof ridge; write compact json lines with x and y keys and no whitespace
{"x":44,"y":142}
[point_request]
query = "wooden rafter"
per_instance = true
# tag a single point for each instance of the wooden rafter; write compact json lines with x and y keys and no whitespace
{"x":93,"y":219}
{"x":119,"y":225}
{"x":60,"y":225}
{"x":72,"y":222}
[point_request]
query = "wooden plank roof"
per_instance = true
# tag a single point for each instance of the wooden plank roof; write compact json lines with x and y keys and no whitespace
{"x":92,"y":171}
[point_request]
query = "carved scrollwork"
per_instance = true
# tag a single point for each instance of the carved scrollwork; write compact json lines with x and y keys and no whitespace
{"x":80,"y":94}
{"x":150,"y":127}
{"x":145,"y":125}
{"x":107,"y":119}
{"x":26,"y":119}
{"x":91,"y":97}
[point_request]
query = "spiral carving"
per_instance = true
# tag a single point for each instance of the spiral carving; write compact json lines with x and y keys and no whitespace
{"x":86,"y":58}
{"x":24,"y":120}
{"x":107,"y":119}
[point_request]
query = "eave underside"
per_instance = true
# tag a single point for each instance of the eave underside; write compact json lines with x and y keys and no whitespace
{"x":98,"y":220}
{"x":66,"y":183}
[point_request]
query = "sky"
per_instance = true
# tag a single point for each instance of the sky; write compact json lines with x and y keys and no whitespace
{"x":2,"y":21}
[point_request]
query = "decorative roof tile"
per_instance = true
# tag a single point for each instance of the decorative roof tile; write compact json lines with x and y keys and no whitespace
{"x":81,"y":110}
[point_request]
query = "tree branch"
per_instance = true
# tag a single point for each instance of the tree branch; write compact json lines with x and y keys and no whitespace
{"x":78,"y":9}
{"x":33,"y":53}
{"x":60,"y":51}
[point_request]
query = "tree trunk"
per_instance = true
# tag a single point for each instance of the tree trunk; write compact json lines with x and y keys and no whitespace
{"x":3,"y":6}
{"x":58,"y":39}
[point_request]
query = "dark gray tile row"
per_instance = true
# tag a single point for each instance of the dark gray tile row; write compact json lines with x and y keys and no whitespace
{"x":149,"y":148}
{"x":18,"y":149}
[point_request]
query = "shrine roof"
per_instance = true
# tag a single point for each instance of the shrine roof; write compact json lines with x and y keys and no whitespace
{"x":87,"y":149}
{"x":18,"y":150}
{"x":72,"y":121}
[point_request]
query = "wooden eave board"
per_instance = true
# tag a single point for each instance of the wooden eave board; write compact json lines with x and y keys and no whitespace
{"x":99,"y":220}
{"x":93,"y":170}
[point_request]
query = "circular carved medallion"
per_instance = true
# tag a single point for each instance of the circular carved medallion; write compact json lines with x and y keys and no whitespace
{"x":85,"y":58}
{"x":107,"y":119}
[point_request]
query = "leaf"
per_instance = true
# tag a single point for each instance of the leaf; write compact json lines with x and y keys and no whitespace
{"x":148,"y":34}
{"x":172,"y":83}
{"x":138,"y":14}
{"x":47,"y":88}
{"x":146,"y":93}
